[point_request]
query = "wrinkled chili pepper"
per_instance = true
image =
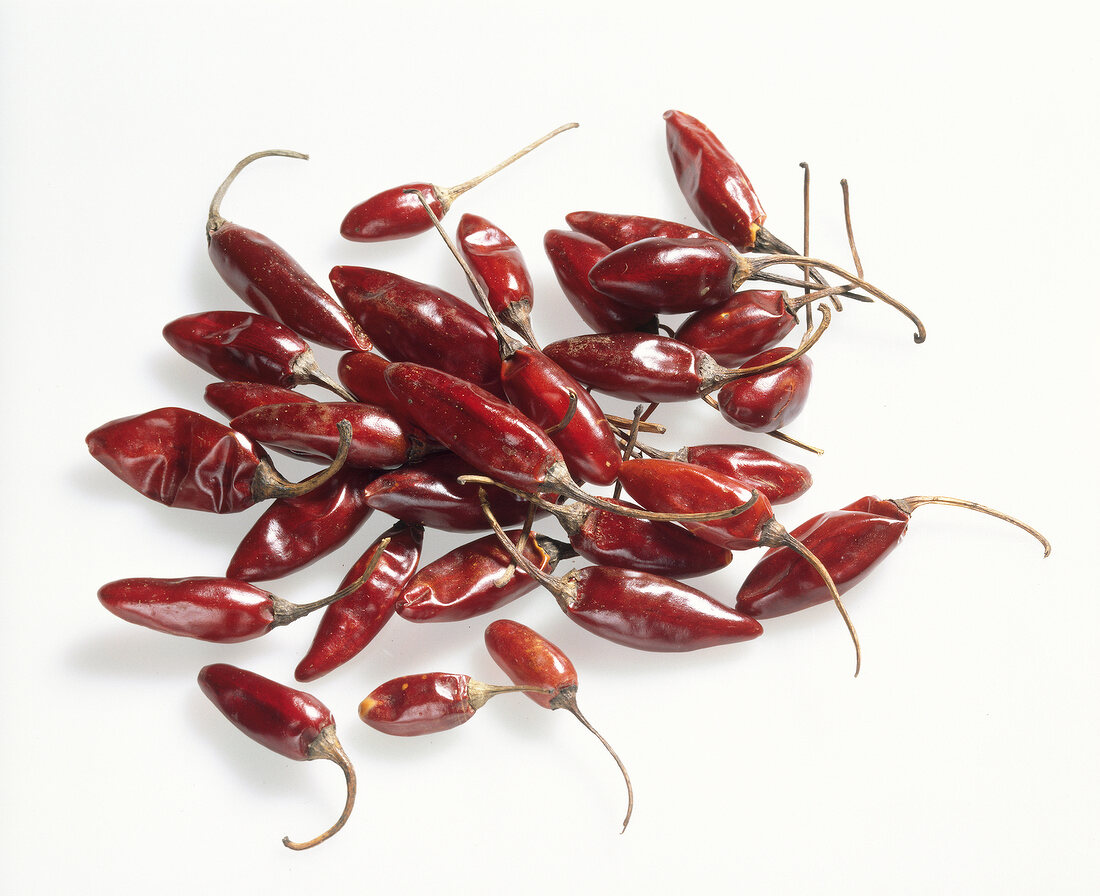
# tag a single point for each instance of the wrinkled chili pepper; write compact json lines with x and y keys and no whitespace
{"x":616,"y":231}
{"x":850,"y":542}
{"x":770,"y":400}
{"x":395,"y":213}
{"x":290,"y":722}
{"x":233,"y":399}
{"x":272,"y":282}
{"x":500,"y":269}
{"x":747,"y":323}
{"x":183,"y":459}
{"x":528,"y":658}
{"x":363,"y":373}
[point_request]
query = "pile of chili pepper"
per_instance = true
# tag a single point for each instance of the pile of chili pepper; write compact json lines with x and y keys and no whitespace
{"x":451,"y":416}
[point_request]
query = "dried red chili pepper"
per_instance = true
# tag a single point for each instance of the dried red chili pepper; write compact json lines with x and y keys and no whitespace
{"x":363,"y":373}
{"x":183,"y":459}
{"x":500,"y":269}
{"x":237,"y":345}
{"x":272,"y":282}
{"x":747,"y":323}
{"x":528,"y":658}
{"x":350,"y":624}
{"x":850,"y":542}
{"x":290,"y":722}
{"x":770,"y":400}
{"x":426,"y":704}
{"x":395,"y":213}
{"x":616,"y":231}
{"x":468,"y":581}
{"x":294,"y":532}
{"x":233,"y":399}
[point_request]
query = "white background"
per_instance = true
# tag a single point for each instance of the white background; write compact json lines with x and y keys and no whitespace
{"x":964,"y":758}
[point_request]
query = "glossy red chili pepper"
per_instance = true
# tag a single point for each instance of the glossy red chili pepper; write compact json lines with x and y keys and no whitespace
{"x":850,"y":542}
{"x":426,"y":704}
{"x":499,"y":267}
{"x":350,"y":624}
{"x":470,"y":580}
{"x":776,"y":479}
{"x":237,"y":345}
{"x":397,"y":212}
{"x":411,"y":321}
{"x":528,"y":658}
{"x":233,"y":399}
{"x":572,"y":256}
{"x":747,"y":323}
{"x":290,"y":722}
{"x":183,"y":459}
{"x":363,"y":373}
{"x":294,"y":532}
{"x":272,"y":282}
{"x":767,"y":401}
{"x":616,"y":231}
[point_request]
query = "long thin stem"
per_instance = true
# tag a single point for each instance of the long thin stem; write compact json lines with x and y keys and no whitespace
{"x":791,"y":440}
{"x":286,"y":612}
{"x":791,"y":281}
{"x":628,"y":448}
{"x":270,"y":483}
{"x":327,"y":746}
{"x":908,"y":505}
{"x":214,"y":220}
{"x":848,"y":226}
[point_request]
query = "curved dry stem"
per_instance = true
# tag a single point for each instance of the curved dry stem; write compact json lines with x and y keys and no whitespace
{"x":848,"y":226}
{"x":643,"y":425}
{"x":908,"y":505}
{"x":791,"y":440}
{"x":551,"y":583}
{"x":568,"y":700}
{"x":628,"y":448}
{"x":214,"y":219}
{"x":505,"y":577}
{"x":326,"y":746}
{"x":774,"y":535}
{"x":830,"y":292}
{"x":791,"y":281}
{"x":285,"y":612}
{"x":565,"y":420}
{"x":270,"y":483}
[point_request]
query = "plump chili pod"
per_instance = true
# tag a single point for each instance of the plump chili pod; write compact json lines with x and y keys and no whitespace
{"x":272,"y":282}
{"x":395,"y":213}
{"x":745,"y":324}
{"x":850,"y":542}
{"x":290,"y":722}
{"x":237,"y":345}
{"x":499,"y":267}
{"x":233,"y":399}
{"x":526,"y":657}
{"x":616,"y":231}
{"x":420,"y":323}
{"x":363,"y":373}
{"x":350,"y":624}
{"x":378,"y":441}
{"x":572,"y":256}
{"x":770,"y":400}
{"x":469,"y":581}
{"x":429,"y":703}
{"x":183,"y":459}
{"x":294,"y":532}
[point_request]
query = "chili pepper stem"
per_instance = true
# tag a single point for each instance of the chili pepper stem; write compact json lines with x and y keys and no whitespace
{"x":569,"y":412}
{"x":505,"y":577}
{"x":643,"y":425}
{"x":327,"y":746}
{"x":214,"y":219}
{"x":773,"y":534}
{"x":628,"y":448}
{"x":285,"y":612}
{"x":479,"y":693}
{"x":305,"y":369}
{"x":270,"y":483}
{"x":791,"y":440}
{"x":908,"y":505}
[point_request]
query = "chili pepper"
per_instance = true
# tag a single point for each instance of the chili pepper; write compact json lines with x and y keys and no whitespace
{"x":767,"y":401}
{"x":850,"y":542}
{"x":183,"y":459}
{"x":499,"y":267}
{"x":363,"y":373}
{"x":233,"y":399}
{"x":309,"y":430}
{"x":294,"y":532}
{"x":426,"y":704}
{"x":290,"y":722}
{"x":272,"y":282}
{"x":466,"y":582}
{"x":528,"y":658}
{"x":350,"y":624}
{"x":673,"y":485}
{"x":394,"y":213}
{"x":573,"y":255}
{"x":208,"y":608}
{"x":411,"y":321}
{"x":616,"y":231}
{"x":747,"y":323}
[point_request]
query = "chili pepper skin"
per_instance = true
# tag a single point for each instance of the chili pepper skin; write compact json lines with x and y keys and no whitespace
{"x":265,"y":276}
{"x":412,"y":321}
{"x":292,"y":723}
{"x":713,"y":183}
{"x":499,"y":267}
{"x":747,"y":323}
{"x":351,"y":623}
{"x":616,"y":231}
{"x":294,"y":532}
{"x":778,"y":480}
{"x":767,"y":401}
{"x":465,"y":582}
{"x":233,"y":399}
{"x":573,"y":255}
{"x":392,"y":214}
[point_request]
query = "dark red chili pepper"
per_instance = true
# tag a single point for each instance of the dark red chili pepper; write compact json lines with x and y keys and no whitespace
{"x":294,"y":532}
{"x":767,"y":401}
{"x":411,"y":321}
{"x":378,"y":441}
{"x":272,"y":282}
{"x":363,"y":373}
{"x":616,"y":231}
{"x":426,"y":704}
{"x":290,"y":722}
{"x":500,"y":269}
{"x":183,"y":459}
{"x":528,"y":658}
{"x":237,"y":345}
{"x":747,"y":323}
{"x":850,"y":542}
{"x":572,"y":255}
{"x":396,"y":213}
{"x":350,"y":624}
{"x":470,"y":580}
{"x":233,"y":399}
